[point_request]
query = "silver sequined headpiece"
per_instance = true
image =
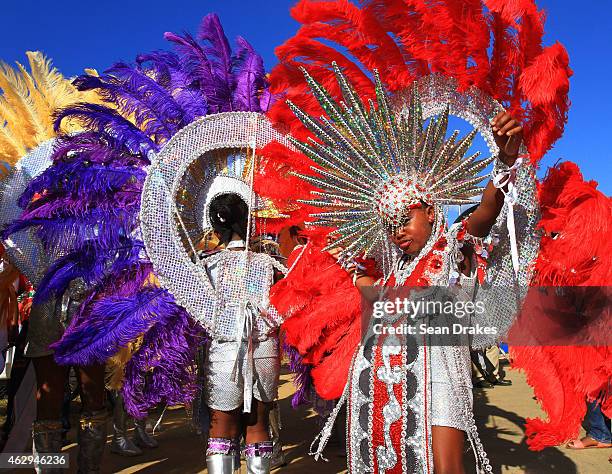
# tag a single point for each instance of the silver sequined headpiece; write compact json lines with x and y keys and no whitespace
{"x":210,"y":157}
{"x":376,"y":163}
{"x":24,"y":248}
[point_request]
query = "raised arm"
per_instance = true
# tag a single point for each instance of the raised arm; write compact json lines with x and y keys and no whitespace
{"x":508,"y":136}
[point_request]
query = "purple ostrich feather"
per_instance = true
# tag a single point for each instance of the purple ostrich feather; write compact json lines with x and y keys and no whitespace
{"x":301,"y":377}
{"x":168,"y":352}
{"x":85,"y":206}
{"x":112,"y":315}
{"x":102,"y":119}
{"x":168,"y":70}
{"x":250,"y":77}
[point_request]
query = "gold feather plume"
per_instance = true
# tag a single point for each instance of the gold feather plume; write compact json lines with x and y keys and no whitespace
{"x":27,"y":102}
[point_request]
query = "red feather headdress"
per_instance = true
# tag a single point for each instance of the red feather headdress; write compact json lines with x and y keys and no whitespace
{"x":493,"y":45}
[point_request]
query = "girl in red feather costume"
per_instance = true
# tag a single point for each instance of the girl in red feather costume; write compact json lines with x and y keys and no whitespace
{"x":363,"y":169}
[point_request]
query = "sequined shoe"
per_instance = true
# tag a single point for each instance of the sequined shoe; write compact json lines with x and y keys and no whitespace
{"x":258,"y":457}
{"x":221,"y":456}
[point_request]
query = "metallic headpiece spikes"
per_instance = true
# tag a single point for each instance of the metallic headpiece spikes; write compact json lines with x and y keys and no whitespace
{"x":374,"y":164}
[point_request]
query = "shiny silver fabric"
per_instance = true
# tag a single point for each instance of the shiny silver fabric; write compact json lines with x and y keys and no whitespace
{"x":503,"y":290}
{"x":241,"y":282}
{"x":24,"y":248}
{"x":225,"y":390}
{"x":435,"y":390}
{"x":242,"y":360}
{"x":258,"y":465}
{"x":221,"y":464}
{"x":450,"y":377}
{"x":449,"y":371}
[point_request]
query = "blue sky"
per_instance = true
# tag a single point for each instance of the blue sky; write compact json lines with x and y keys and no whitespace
{"x":78,"y":34}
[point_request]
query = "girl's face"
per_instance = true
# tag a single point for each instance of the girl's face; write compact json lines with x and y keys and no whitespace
{"x":415,"y":230}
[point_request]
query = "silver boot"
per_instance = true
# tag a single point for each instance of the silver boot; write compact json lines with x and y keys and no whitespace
{"x":221,"y":456}
{"x":122,"y":444}
{"x":221,"y":463}
{"x":258,"y":457}
{"x":91,"y":438}
{"x":46,"y":439}
{"x":142,"y":438}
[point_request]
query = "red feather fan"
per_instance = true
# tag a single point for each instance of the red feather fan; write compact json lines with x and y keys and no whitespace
{"x":494,"y":45}
{"x":324,"y":314}
{"x":575,"y":252}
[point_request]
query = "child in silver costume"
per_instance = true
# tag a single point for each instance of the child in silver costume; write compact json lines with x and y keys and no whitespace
{"x":242,"y":361}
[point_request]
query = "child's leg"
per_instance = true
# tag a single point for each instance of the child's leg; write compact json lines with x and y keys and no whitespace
{"x":222,"y":449}
{"x":257,"y":422}
{"x":448,"y":450}
{"x":258,"y":450}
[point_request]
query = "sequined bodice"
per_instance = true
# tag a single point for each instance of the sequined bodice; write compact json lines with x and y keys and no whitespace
{"x":241,"y":283}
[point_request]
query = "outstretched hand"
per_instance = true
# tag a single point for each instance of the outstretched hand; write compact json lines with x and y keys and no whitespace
{"x":508,"y":134}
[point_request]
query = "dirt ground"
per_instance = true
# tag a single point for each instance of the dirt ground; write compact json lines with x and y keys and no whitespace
{"x":500,"y":414}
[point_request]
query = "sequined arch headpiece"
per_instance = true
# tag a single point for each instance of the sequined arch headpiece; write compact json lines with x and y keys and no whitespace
{"x":24,"y":248}
{"x":374,"y":163}
{"x":211,"y":156}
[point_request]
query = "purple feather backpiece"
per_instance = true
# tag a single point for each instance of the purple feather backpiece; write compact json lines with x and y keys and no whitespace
{"x":85,"y":207}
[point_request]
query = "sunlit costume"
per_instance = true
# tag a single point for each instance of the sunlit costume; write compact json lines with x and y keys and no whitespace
{"x":226,"y":291}
{"x":125,"y":206}
{"x":27,"y":138}
{"x":359,"y":168}
{"x":564,"y":345}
